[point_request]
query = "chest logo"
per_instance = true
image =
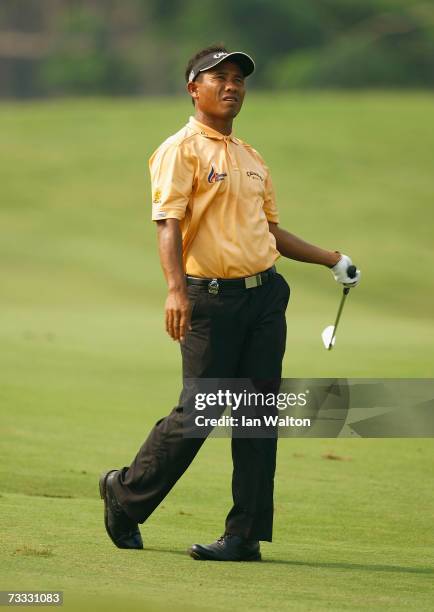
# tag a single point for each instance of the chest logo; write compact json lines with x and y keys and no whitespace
{"x":214,"y":177}
{"x":255,"y":176}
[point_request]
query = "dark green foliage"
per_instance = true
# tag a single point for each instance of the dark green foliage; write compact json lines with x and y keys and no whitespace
{"x":141,"y":46}
{"x":385,"y":49}
{"x":84,"y":58}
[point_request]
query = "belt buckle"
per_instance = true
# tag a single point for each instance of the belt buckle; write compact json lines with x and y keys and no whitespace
{"x":253,"y":281}
{"x":213,"y":287}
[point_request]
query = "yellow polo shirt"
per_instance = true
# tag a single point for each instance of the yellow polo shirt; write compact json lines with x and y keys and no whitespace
{"x":221,"y":191}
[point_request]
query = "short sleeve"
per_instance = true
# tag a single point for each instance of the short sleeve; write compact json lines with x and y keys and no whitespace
{"x":172,"y":175}
{"x":270,"y":207}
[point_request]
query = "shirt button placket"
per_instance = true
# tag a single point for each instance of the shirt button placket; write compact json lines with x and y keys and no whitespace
{"x":235,"y":178}
{"x":228,"y":151}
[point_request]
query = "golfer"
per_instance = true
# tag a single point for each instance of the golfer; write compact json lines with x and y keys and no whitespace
{"x":219,"y":239}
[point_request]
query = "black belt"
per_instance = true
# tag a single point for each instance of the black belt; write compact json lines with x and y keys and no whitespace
{"x":247,"y":282}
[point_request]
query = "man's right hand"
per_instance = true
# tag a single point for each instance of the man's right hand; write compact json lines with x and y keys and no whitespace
{"x":178,"y":312}
{"x":177,"y":307}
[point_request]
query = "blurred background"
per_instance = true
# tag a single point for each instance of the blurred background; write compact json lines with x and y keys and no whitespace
{"x":110,"y":47}
{"x":342,"y":109}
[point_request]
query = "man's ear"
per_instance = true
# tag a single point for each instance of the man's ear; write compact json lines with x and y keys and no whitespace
{"x":192,"y":90}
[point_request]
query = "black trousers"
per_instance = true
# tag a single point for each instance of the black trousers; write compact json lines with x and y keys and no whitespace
{"x":235,"y":334}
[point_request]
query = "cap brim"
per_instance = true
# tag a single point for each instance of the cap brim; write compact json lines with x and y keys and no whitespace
{"x":244,"y":61}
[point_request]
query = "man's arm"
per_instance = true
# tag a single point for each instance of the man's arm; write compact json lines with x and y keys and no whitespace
{"x":177,"y":307}
{"x":293,"y":247}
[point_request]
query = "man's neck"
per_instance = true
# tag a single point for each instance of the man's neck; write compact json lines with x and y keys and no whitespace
{"x":224,"y":126}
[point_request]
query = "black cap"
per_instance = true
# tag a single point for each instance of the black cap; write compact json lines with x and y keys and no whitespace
{"x":206,"y":62}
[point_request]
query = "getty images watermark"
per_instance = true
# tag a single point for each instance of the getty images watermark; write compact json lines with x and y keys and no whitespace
{"x":248,"y":400}
{"x":316,"y":407}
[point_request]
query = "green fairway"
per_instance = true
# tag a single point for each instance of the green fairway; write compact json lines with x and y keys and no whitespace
{"x":86,"y":367}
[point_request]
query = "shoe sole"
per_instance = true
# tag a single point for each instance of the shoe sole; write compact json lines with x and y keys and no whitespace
{"x":103,"y":493}
{"x":194,"y":555}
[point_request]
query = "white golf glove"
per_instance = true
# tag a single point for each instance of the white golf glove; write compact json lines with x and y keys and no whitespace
{"x":340,"y":273}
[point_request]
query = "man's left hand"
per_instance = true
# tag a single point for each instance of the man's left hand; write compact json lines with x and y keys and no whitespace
{"x":340,"y":272}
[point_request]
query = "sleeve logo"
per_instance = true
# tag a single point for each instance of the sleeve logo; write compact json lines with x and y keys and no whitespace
{"x":156,"y":198}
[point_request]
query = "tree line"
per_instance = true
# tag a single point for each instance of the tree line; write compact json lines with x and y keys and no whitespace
{"x":129,"y":47}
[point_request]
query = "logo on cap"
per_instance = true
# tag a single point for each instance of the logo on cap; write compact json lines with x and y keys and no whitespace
{"x":220,"y":54}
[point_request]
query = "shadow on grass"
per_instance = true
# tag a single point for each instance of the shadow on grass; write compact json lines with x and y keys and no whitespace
{"x":357,"y":566}
{"x":184,"y":553}
{"x":428,"y":571}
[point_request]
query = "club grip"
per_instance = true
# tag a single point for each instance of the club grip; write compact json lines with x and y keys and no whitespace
{"x":352,"y":271}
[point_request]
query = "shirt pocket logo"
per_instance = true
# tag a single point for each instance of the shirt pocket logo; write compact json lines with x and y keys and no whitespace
{"x":254,"y":183}
{"x":215,"y":177}
{"x":255,"y":175}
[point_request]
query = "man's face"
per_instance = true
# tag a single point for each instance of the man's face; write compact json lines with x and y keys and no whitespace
{"x":220,"y":91}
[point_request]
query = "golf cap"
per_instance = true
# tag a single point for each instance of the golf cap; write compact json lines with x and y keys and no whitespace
{"x":214,"y":58}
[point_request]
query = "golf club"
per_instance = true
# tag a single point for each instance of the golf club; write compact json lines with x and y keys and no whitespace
{"x":329,"y":333}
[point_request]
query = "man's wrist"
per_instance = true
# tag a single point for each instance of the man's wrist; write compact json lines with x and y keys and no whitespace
{"x":177,"y":287}
{"x":335,"y":256}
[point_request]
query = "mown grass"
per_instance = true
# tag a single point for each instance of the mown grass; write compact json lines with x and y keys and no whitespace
{"x":86,"y":368}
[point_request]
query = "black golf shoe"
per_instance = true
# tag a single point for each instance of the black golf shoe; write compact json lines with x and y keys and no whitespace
{"x":227,"y":548}
{"x":122,"y":530}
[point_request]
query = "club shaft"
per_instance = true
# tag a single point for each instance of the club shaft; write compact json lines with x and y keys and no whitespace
{"x":338,"y":316}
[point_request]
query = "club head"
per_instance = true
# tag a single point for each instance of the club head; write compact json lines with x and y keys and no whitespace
{"x":327,"y":336}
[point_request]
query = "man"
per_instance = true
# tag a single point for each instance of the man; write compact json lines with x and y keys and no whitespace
{"x":219,"y":238}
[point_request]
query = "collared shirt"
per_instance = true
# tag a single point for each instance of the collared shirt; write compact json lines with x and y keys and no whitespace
{"x":220,"y":190}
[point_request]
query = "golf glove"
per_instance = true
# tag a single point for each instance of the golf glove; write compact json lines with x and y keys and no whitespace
{"x":339,"y":271}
